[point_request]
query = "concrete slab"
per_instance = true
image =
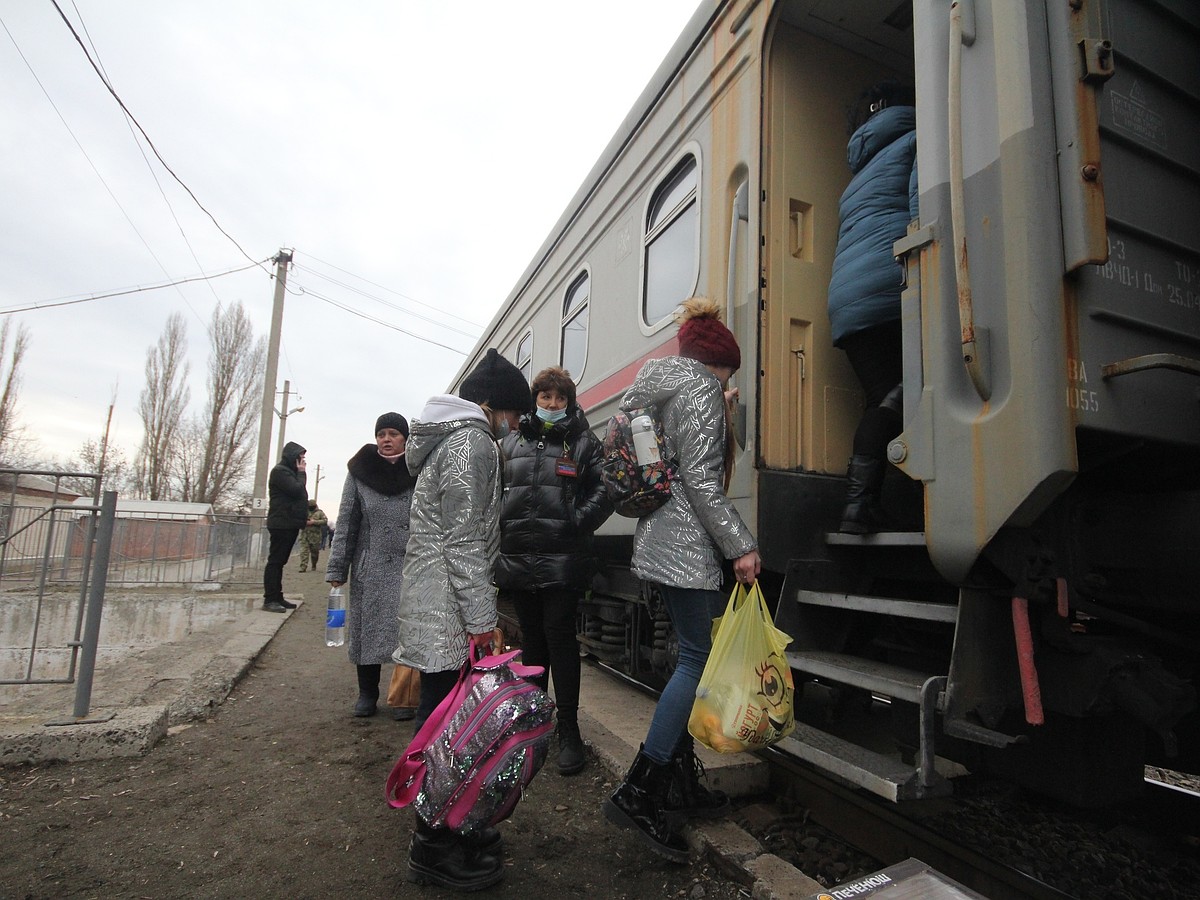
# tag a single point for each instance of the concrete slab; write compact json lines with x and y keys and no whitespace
{"x":140,"y":691}
{"x":614,"y":719}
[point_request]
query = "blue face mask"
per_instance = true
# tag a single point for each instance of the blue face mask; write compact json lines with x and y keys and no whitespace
{"x":502,"y":429}
{"x":551,"y":415}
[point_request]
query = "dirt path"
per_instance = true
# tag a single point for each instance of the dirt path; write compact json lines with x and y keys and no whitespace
{"x":280,"y":794}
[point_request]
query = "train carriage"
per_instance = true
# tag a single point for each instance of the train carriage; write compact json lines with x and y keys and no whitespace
{"x":1037,"y":615}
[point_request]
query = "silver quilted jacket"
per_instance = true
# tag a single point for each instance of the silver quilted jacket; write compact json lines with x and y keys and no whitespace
{"x":683,"y":542}
{"x":454,"y":535}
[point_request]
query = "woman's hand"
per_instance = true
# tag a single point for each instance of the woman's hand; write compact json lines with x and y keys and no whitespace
{"x":747,"y":567}
{"x":483,"y":641}
{"x":336,"y":583}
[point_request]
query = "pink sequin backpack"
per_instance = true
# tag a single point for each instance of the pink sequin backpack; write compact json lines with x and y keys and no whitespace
{"x":468,"y":765}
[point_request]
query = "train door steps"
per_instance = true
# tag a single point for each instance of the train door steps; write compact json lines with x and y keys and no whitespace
{"x":870,"y":675}
{"x":878,"y":539}
{"x":881,"y":775}
{"x":909,"y":609}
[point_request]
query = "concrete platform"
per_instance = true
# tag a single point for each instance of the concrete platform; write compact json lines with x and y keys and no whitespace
{"x":138,"y":693}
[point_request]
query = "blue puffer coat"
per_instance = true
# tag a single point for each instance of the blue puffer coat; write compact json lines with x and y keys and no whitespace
{"x":873,"y":214}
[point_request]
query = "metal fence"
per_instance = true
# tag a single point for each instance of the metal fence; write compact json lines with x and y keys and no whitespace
{"x":55,"y":544}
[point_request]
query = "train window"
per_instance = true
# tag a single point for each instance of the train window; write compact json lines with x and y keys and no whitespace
{"x":575,"y":325}
{"x":670,"y":243}
{"x":525,"y":356}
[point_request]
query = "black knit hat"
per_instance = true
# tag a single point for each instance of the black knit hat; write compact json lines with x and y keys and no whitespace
{"x":392,"y":420}
{"x":496,"y":382}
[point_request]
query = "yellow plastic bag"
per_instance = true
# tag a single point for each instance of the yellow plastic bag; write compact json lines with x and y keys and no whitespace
{"x":744,"y":699}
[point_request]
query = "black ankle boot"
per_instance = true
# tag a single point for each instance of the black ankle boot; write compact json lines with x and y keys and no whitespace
{"x":368,"y":691}
{"x":571,"y":758}
{"x":439,"y":856}
{"x":687,"y":794}
{"x":638,"y":804}
{"x":863,"y":513}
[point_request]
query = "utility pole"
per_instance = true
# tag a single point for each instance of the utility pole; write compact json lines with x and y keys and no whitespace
{"x":263,"y":460}
{"x":317,"y":483}
{"x":283,"y":416}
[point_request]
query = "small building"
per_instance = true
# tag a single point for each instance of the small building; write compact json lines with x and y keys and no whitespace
{"x":156,"y":529}
{"x":29,"y":529}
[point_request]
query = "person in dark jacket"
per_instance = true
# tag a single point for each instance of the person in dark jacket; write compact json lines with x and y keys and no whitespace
{"x":368,"y":550}
{"x":286,"y":515}
{"x":553,"y":501}
{"x":864,"y":290}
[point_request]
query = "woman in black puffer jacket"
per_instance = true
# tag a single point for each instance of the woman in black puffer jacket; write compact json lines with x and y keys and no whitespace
{"x":553,"y":502}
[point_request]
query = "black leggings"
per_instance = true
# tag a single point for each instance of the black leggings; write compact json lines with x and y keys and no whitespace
{"x":434,"y":688}
{"x":877,"y":357}
{"x":548,"y":639}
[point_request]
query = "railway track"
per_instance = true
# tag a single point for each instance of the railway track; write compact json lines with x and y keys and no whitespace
{"x":994,"y":839}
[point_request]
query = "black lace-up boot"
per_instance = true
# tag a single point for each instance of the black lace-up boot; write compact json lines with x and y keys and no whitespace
{"x":638,"y":804}
{"x":687,"y":794}
{"x":439,"y":856}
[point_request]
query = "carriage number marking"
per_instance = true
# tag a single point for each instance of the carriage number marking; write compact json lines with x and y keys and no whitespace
{"x":1078,"y":396}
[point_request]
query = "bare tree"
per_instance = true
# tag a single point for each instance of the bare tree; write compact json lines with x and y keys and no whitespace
{"x":161,"y":407}
{"x":188,"y":457}
{"x":12,"y":438}
{"x":230,"y":418}
{"x":108,"y":461}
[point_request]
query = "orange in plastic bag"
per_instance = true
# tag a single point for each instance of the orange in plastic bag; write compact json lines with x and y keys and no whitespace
{"x":744,"y":699}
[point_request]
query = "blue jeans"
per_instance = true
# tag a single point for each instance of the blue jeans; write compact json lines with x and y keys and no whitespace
{"x":692,"y":613}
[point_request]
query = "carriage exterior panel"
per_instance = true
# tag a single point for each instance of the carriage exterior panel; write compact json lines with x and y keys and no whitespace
{"x":1051,"y":336}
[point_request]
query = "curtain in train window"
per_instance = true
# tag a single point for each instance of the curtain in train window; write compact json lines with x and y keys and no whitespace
{"x":525,"y":356}
{"x":575,"y":325}
{"x":671,"y":243}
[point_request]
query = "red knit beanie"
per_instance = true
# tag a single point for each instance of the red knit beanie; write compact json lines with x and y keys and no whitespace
{"x":704,"y":338}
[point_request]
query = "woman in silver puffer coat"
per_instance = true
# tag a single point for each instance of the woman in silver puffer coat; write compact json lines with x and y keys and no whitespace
{"x":680,"y":547}
{"x":448,"y":601}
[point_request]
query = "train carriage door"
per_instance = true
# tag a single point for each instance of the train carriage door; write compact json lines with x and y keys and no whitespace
{"x":819,"y":59}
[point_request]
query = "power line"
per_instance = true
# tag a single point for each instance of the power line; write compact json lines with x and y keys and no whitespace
{"x":149,"y":142}
{"x":408,"y":312}
{"x":362,"y":315}
{"x":388,"y":289}
{"x":146,"y":159}
{"x":50,"y":304}
{"x":96,"y":170}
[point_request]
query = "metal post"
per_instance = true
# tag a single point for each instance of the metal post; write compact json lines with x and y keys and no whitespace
{"x":283,"y":416}
{"x":91,"y":628}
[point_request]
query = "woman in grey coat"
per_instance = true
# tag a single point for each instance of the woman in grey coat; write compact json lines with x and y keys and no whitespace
{"x":368,"y":551}
{"x":680,"y":547}
{"x":448,"y":600}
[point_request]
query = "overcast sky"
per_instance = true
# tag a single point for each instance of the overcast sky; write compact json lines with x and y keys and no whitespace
{"x":414,"y":154}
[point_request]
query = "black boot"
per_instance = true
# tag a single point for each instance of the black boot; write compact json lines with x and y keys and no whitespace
{"x":687,"y":795}
{"x":863,"y":513}
{"x":368,"y":691}
{"x":571,"y":758}
{"x":638,"y":804}
{"x":439,"y":856}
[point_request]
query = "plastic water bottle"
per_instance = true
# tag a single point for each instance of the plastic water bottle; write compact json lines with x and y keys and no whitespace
{"x":645,"y":443}
{"x":335,"y":618}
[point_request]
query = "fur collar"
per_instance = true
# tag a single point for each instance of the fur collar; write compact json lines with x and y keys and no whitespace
{"x":378,"y":474}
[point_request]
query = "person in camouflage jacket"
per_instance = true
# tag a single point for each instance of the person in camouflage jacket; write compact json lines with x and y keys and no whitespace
{"x":310,"y":537}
